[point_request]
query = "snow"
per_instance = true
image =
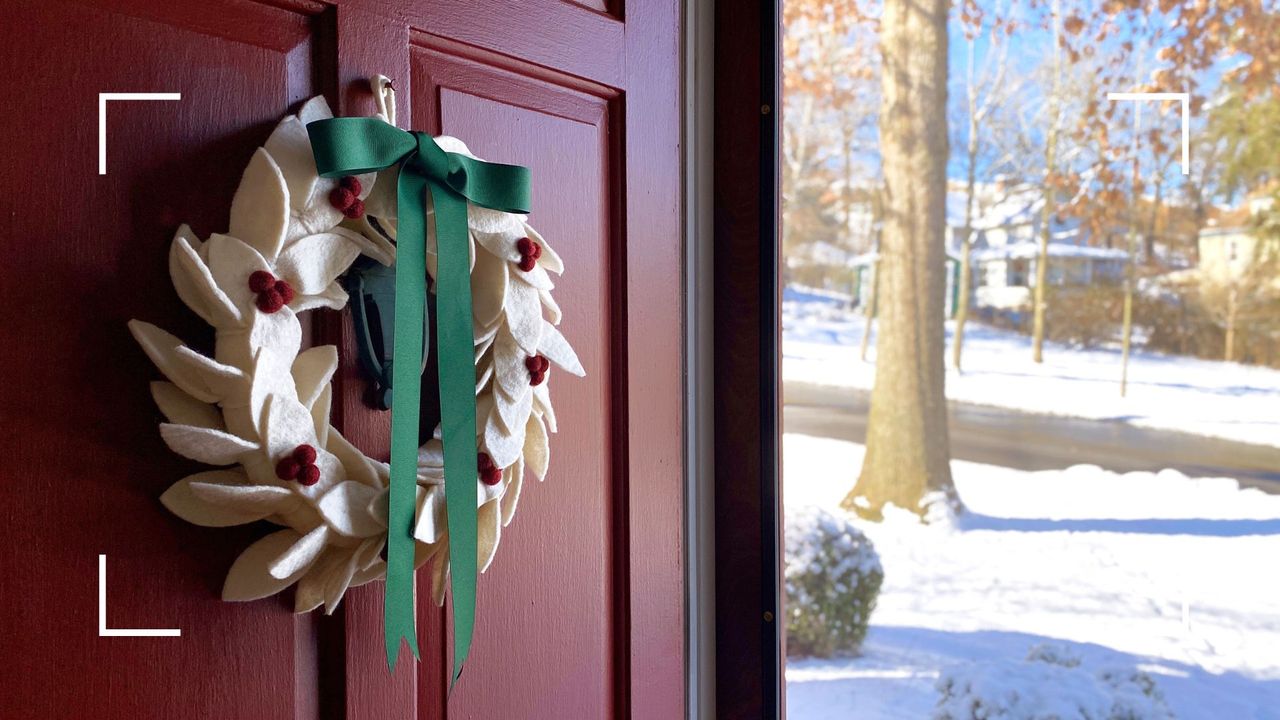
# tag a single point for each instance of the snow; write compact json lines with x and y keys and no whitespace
{"x":1157,"y":572}
{"x":1227,"y":400}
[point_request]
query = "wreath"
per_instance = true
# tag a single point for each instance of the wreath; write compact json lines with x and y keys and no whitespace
{"x":259,"y":406}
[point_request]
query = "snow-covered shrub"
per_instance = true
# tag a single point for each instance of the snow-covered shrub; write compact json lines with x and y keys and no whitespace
{"x":833,"y":577}
{"x":1051,"y":684}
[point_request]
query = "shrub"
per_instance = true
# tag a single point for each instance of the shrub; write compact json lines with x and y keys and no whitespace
{"x":1051,"y":684}
{"x":833,"y":577}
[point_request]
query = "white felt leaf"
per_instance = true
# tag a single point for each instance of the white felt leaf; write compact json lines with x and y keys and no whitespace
{"x":431,"y":521}
{"x":195,"y":283}
{"x":337,"y":583}
{"x":260,"y":208}
{"x":513,"y":412}
{"x":264,"y":499}
{"x":312,"y":371}
{"x":290,"y":147}
{"x":311,"y":263}
{"x":279,"y":331}
{"x":431,"y":454}
{"x":558,"y":350}
{"x":316,"y":108}
{"x":346,"y":509}
{"x":514,"y":476}
{"x":542,"y":405}
{"x":440,"y":573}
{"x":382,"y":200}
{"x":162,"y":348}
{"x":537,"y":447}
{"x":320,"y":415}
{"x":484,"y":371}
{"x":484,"y":220}
{"x":332,"y":297}
{"x":249,"y":579}
{"x":484,"y":335}
{"x":549,"y":259}
{"x":536,"y":277}
{"x":369,"y":241}
{"x":500,"y":245}
{"x":298,"y":557}
{"x":182,"y":409}
{"x":488,"y":288}
{"x":504,"y":447}
{"x":288,"y":426}
{"x":369,"y":574}
{"x":524,"y":314}
{"x":271,"y":376}
{"x":309,"y":594}
{"x":508,"y":364}
{"x":355,"y":464}
{"x":222,"y":380}
{"x":553,"y":308}
{"x":488,"y":533}
{"x":181,"y":500}
{"x":231,"y":262}
{"x":212,"y":447}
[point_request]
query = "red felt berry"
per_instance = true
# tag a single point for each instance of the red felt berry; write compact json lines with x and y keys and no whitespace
{"x":309,"y":475}
{"x":483,"y":462}
{"x":543,"y":363}
{"x":532,"y":364}
{"x":287,"y":469}
{"x":492,"y":476}
{"x":525,"y":246}
{"x":352,"y":183}
{"x":270,"y":301}
{"x":341,"y":198}
{"x":537,"y":378}
{"x":305,"y":455}
{"x":527,"y":263}
{"x":261,"y":280}
{"x":285,"y":290}
{"x":354,"y":210}
{"x":537,"y":251}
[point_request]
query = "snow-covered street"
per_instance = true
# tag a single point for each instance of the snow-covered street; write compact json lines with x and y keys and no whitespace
{"x":1160,"y":572}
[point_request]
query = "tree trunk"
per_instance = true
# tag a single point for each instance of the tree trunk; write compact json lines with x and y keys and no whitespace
{"x":1233,"y":307}
{"x":908,"y":449}
{"x":966,"y":238}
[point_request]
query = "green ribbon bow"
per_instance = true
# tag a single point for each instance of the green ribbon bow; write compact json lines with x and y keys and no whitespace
{"x":352,"y":146}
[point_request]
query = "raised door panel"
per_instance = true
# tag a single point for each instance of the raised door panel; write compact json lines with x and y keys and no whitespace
{"x":81,"y":254}
{"x":548,"y":606}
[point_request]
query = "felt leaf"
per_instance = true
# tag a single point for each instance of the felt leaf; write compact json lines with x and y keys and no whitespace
{"x":553,"y":308}
{"x":183,"y":501}
{"x":432,"y":521}
{"x":488,"y":288}
{"x":484,"y":334}
{"x":271,"y":376}
{"x":515,"y":480}
{"x":508,"y":364}
{"x":368,"y":239}
{"x":320,"y":415}
{"x":290,"y":148}
{"x":260,"y":208}
{"x":212,"y":447}
{"x":542,"y":405}
{"x":513,"y":412}
{"x":298,"y":557}
{"x":367,"y":554}
{"x":483,"y":345}
{"x":524,"y":314}
{"x":332,"y":297}
{"x":338,"y":581}
{"x":309,"y":594}
{"x":313,"y":370}
{"x":483,"y":220}
{"x":288,"y":426}
{"x":484,"y":371}
{"x":536,"y":277}
{"x":194,"y":281}
{"x":537,"y":447}
{"x":440,"y":573}
{"x":369,"y":574}
{"x":504,"y":447}
{"x":231,"y":262}
{"x":431,"y":454}
{"x":279,"y":331}
{"x":558,"y":350}
{"x":383,"y":199}
{"x":488,"y":533}
{"x":223,"y":380}
{"x":355,"y":465}
{"x":317,"y":108}
{"x":264,"y":499}
{"x":501,"y":245}
{"x":346,"y":509}
{"x":249,"y":579}
{"x":182,"y":409}
{"x":313,"y":262}
{"x":549,"y":259}
{"x":162,"y":348}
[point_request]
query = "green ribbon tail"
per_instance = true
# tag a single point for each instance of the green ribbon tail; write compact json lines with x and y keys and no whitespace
{"x":406,"y":394}
{"x":456,"y":355}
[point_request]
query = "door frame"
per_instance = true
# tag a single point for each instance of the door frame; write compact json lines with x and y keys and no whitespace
{"x":749,"y":635}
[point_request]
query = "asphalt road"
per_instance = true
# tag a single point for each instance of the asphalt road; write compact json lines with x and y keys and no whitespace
{"x":1043,"y":442}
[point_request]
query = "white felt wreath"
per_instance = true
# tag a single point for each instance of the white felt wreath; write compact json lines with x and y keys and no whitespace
{"x":260,"y":406}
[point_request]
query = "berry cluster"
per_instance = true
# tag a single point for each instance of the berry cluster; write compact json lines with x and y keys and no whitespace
{"x":490,"y":474}
{"x":530,"y":251}
{"x":346,"y":197}
{"x":299,"y":465}
{"x":537,"y":365}
{"x":273,"y":294}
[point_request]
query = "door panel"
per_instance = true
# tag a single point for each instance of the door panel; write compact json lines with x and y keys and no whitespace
{"x":581,"y":614}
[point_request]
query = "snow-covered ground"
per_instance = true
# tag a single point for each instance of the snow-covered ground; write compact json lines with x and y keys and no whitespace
{"x":1176,"y":576}
{"x":1228,"y":400}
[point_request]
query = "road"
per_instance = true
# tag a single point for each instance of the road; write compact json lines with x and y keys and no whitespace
{"x":1024,"y":441}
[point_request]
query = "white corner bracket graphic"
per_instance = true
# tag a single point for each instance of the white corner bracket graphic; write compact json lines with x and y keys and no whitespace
{"x":103,"y":630}
{"x":1184,"y":99}
{"x":102,"y":118}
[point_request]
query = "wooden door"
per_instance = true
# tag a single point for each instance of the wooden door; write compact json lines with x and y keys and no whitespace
{"x":581,"y":614}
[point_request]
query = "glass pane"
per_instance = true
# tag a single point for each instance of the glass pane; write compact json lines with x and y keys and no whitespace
{"x":1031,"y":375}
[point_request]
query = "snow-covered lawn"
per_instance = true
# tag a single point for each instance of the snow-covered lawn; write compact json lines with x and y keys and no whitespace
{"x":1176,"y":576}
{"x":1228,"y":400}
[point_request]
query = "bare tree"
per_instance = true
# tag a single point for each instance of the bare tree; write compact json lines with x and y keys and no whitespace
{"x":908,"y":450}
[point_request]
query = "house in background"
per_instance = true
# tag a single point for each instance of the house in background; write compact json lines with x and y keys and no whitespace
{"x":1229,"y":244}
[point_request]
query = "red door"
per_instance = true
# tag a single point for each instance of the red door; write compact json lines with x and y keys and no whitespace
{"x":581,"y":614}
